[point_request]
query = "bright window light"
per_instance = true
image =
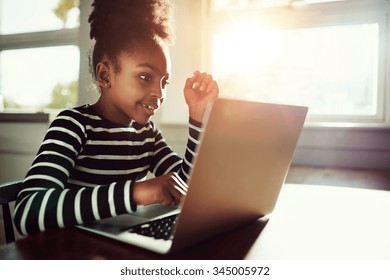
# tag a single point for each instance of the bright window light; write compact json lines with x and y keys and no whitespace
{"x":39,"y":77}
{"x":333,"y":70}
{"x":39,"y":57}
{"x":22,"y":16}
{"x":244,"y":4}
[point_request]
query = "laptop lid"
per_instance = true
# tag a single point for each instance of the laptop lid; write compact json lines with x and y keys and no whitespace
{"x":240,"y":167}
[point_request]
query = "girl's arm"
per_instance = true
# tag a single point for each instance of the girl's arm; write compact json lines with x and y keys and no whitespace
{"x":171,"y":171}
{"x":166,"y":160}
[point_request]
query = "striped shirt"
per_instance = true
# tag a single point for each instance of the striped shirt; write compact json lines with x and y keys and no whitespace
{"x":86,"y":167}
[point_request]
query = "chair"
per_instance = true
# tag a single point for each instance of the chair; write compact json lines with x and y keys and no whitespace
{"x":8,"y":193}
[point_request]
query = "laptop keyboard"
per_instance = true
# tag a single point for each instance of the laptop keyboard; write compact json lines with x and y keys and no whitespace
{"x":159,"y":229}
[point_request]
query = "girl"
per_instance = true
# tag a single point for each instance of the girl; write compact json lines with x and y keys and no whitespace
{"x":94,"y":159}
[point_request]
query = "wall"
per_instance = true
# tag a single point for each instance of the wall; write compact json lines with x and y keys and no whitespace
{"x":365,"y":148}
{"x":19,"y":143}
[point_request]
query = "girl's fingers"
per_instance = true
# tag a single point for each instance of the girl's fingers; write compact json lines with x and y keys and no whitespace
{"x":175,"y":191}
{"x":199,"y":81}
{"x":190,"y":82}
{"x":212,"y":87}
{"x":170,"y":198}
{"x":203,"y":82}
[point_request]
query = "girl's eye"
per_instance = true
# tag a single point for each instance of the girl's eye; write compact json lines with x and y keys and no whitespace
{"x":146,"y":78}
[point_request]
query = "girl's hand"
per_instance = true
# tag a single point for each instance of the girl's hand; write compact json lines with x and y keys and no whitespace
{"x":199,"y":91}
{"x":167,"y":189}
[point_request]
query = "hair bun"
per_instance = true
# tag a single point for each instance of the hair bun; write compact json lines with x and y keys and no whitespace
{"x":139,"y":19}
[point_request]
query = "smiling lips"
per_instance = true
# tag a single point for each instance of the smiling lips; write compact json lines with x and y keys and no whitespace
{"x":150,"y":106}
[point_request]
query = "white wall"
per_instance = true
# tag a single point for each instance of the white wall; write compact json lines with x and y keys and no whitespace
{"x":186,"y":56}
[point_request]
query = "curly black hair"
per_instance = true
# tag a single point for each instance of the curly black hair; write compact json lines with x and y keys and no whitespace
{"x":123,"y":25}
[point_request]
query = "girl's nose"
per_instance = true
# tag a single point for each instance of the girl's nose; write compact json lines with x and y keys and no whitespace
{"x":159,"y":92}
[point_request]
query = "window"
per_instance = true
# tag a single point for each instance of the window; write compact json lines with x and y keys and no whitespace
{"x":328,"y":55}
{"x":39,"y":56}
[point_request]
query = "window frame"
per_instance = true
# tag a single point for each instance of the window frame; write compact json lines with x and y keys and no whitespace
{"x":345,"y":12}
{"x":61,"y":37}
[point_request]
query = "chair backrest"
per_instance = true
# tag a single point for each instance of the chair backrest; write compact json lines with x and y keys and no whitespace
{"x":8,"y":193}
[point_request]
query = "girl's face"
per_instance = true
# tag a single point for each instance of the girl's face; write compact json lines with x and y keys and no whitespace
{"x":138,"y":89}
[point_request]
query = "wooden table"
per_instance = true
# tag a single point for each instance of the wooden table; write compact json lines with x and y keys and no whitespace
{"x":309,"y":222}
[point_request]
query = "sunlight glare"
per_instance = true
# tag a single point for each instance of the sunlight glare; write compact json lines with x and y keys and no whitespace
{"x":320,"y":67}
{"x":247,"y":46}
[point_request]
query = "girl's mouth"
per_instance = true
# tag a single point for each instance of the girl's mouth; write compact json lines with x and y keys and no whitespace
{"x":151,"y":106}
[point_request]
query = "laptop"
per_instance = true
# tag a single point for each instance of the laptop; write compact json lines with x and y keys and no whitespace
{"x":241,"y":164}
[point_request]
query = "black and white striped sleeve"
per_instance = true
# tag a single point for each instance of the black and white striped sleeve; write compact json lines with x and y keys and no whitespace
{"x":166,"y":160}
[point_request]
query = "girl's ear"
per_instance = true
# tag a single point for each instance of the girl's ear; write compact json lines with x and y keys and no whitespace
{"x":102,"y":74}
